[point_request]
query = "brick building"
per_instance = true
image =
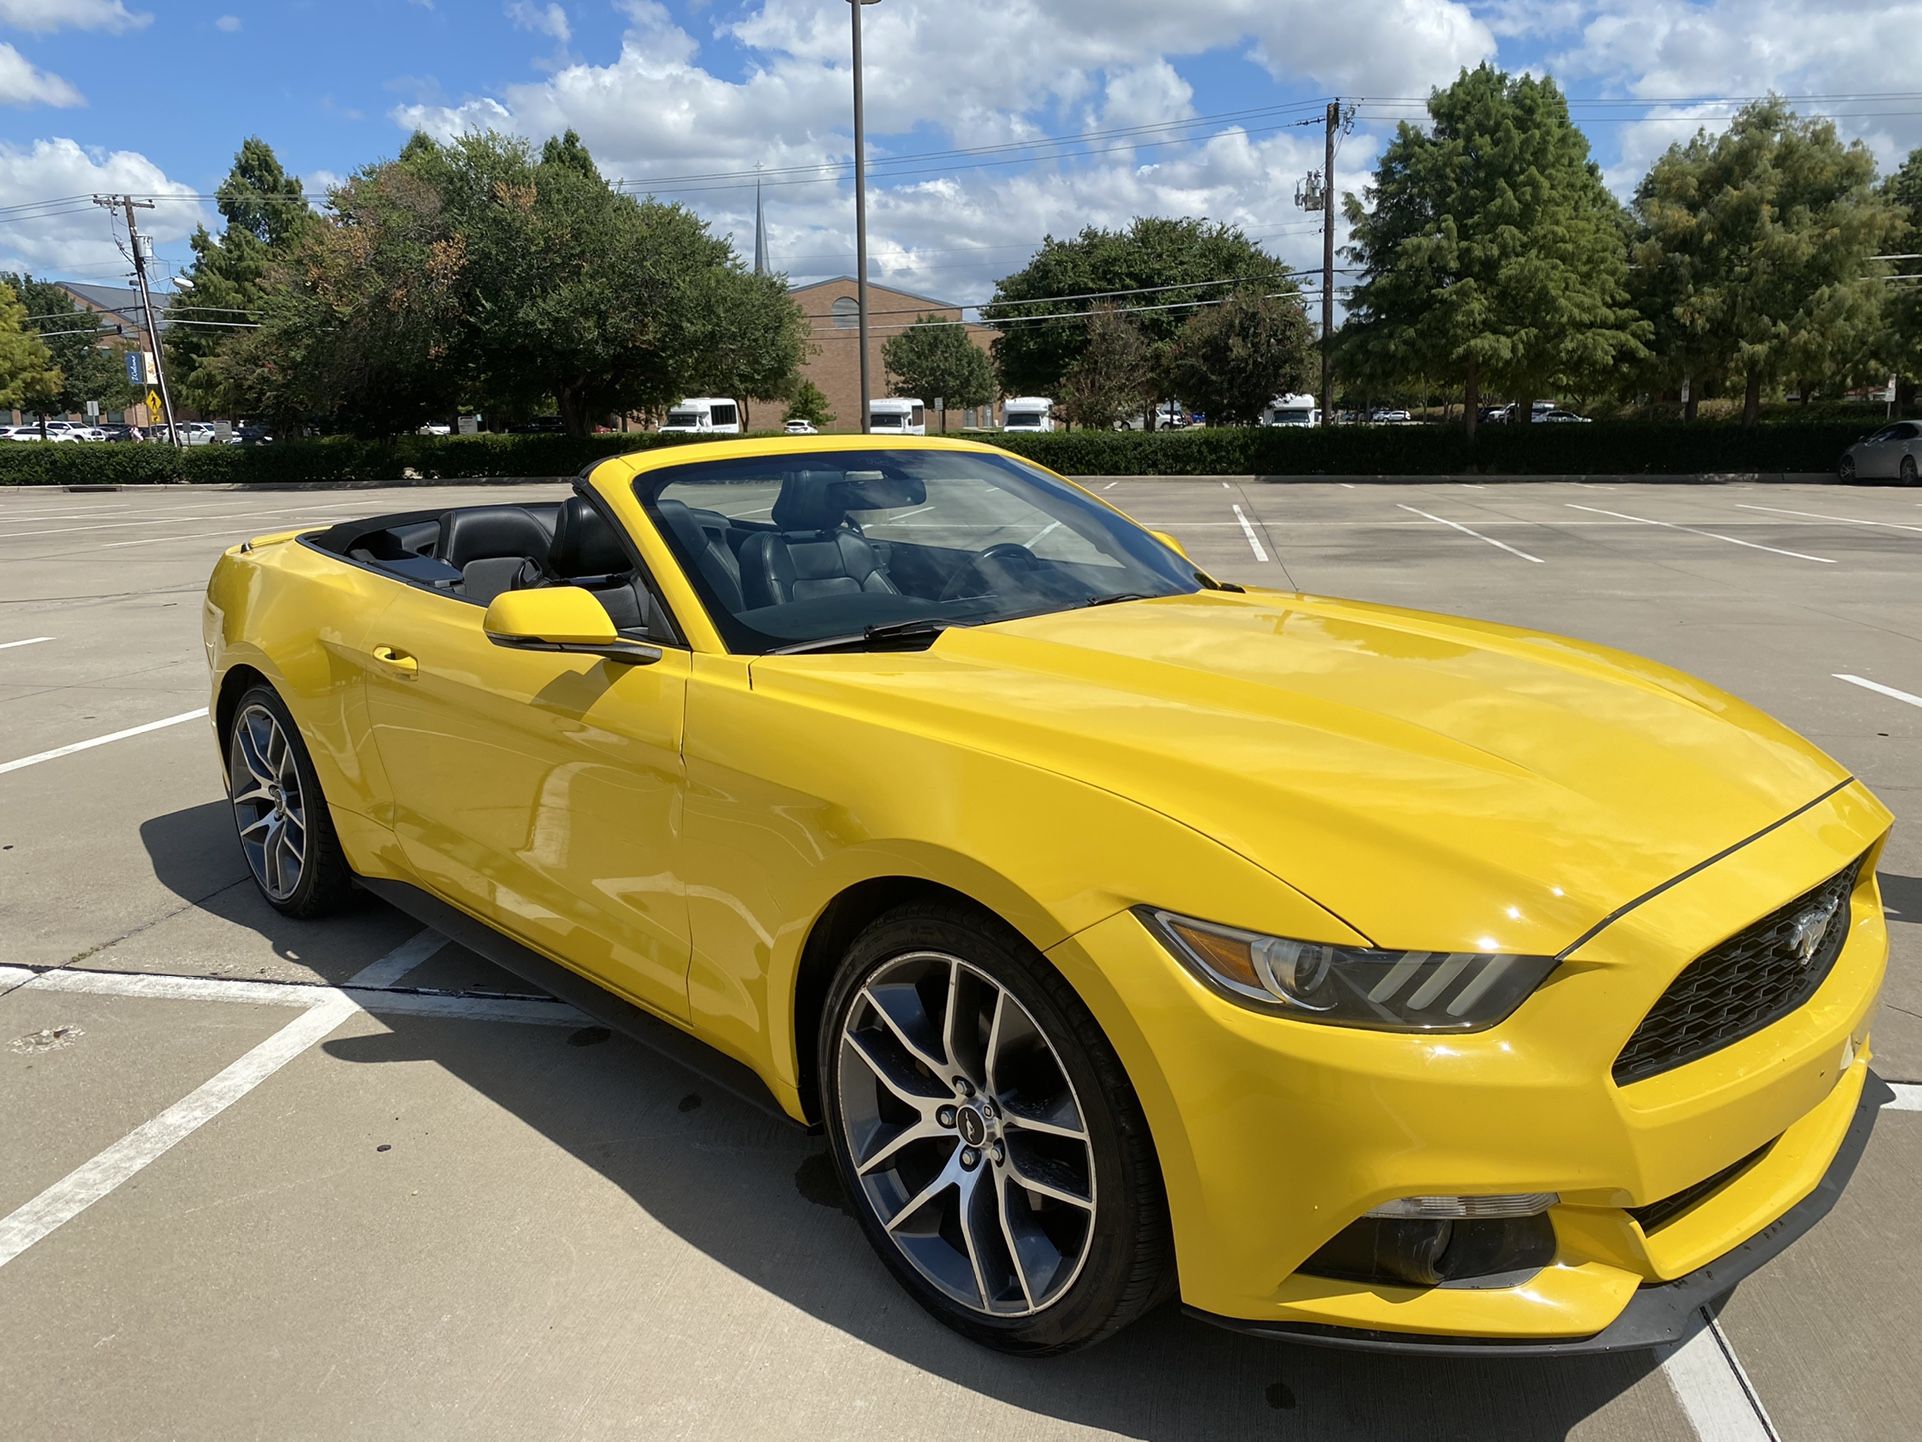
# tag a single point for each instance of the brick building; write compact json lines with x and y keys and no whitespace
{"x":834,"y":360}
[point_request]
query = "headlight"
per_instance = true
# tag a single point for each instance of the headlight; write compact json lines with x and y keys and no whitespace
{"x":1351,"y":985}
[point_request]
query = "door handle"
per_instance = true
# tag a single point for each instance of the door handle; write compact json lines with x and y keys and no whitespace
{"x":397,"y":660}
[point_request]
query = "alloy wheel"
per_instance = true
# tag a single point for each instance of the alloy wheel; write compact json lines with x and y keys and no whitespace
{"x":966,"y":1136}
{"x":269,"y":809}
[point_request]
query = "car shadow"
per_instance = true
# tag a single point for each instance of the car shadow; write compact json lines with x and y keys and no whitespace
{"x":195,"y":856}
{"x":1901,"y":896}
{"x":761,"y":1198}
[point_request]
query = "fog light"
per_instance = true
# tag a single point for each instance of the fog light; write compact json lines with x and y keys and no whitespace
{"x":1517,"y":1204}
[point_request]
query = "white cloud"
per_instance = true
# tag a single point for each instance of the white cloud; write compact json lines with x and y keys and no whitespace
{"x":76,"y":242}
{"x":548,"y":20}
{"x":227,"y":23}
{"x":21,"y":84}
{"x":44,"y":15}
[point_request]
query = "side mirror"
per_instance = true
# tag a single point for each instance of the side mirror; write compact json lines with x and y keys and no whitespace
{"x":561,"y":618}
{"x":1172,"y":544}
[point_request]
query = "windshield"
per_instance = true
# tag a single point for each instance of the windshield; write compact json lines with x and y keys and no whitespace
{"x":885,"y":421}
{"x":1024,"y":418}
{"x":683,"y":418}
{"x":818,"y":547}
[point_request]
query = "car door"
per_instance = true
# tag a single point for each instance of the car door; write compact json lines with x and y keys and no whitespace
{"x":1878,"y":456}
{"x":539,"y":791}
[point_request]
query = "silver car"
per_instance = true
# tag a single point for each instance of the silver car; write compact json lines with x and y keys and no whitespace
{"x":1892,"y":453}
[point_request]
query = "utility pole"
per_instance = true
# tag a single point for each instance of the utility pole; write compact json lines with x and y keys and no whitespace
{"x":861,"y":216}
{"x":110,"y":202}
{"x":1328,"y":267}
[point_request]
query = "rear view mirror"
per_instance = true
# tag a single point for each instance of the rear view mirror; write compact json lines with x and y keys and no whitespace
{"x":1172,"y":544}
{"x":561,"y":618}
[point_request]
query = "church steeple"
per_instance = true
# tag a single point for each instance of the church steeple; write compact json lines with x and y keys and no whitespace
{"x":760,"y":229}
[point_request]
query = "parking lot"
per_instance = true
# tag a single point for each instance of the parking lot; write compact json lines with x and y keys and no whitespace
{"x":261,"y":1177}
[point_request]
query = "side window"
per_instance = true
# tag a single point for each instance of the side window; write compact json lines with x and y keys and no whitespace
{"x":920,"y":417}
{"x":725,"y":415}
{"x":1887,"y":433}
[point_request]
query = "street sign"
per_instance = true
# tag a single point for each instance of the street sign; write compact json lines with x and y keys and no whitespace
{"x":136,"y":374}
{"x":153,"y":403}
{"x":93,"y":410}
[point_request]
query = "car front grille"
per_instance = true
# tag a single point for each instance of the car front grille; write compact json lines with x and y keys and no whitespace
{"x":1756,"y":977}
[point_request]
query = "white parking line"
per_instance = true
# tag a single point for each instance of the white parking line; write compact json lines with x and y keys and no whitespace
{"x":59,"y":751}
{"x":1346,"y":485}
{"x":1111,"y":485}
{"x":30,"y":641}
{"x":92,"y":1180}
{"x":1713,"y":535}
{"x":1818,"y":516}
{"x":1867,"y":684}
{"x":1908,"y":1097}
{"x":1254,"y":541}
{"x":1714,"y":1391}
{"x":1503,"y":545}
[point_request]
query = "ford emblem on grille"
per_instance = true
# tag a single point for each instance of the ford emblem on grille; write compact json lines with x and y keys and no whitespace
{"x":1805,"y":936}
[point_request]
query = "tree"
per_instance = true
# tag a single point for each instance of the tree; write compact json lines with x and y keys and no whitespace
{"x":1759,"y":240}
{"x":934,"y":359}
{"x":26,"y":366}
{"x":82,"y":368}
{"x":1111,"y":378}
{"x":1491,"y":253}
{"x":1159,"y":261}
{"x":1232,"y":359}
{"x":232,"y":277}
{"x":808,"y":403}
{"x":1902,"y":329}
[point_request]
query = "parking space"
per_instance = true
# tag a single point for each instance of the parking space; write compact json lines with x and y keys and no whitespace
{"x":263,"y":1177}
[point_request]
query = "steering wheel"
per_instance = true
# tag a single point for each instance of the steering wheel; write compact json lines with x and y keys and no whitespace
{"x":1007,"y":554}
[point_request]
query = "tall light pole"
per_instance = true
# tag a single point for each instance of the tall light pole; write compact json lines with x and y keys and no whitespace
{"x":861,"y":213}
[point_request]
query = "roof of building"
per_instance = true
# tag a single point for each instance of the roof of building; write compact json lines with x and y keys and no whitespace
{"x":877,"y":285}
{"x":122,"y":300}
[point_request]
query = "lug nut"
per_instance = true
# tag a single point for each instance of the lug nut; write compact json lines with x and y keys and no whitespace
{"x":970,"y":1159}
{"x":999,"y":1153}
{"x":945,"y":1116}
{"x":987,"y":1110}
{"x":964,"y":1086}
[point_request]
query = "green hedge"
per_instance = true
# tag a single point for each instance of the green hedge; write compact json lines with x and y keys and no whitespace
{"x":1603,"y":448}
{"x":328,"y":458}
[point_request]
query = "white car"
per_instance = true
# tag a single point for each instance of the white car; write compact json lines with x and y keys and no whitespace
{"x":1890,"y":454}
{"x":56,"y":431}
{"x":195,"y":433}
{"x":1560,"y":417}
{"x":801,"y":428}
{"x":434,"y":428}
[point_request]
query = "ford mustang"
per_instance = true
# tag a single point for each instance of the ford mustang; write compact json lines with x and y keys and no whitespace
{"x":1353,"y":974}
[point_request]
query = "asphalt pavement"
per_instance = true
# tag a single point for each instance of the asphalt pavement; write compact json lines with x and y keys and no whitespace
{"x":342,"y":1179}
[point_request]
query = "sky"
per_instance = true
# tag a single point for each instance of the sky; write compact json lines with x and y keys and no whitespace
{"x":1072,"y":112}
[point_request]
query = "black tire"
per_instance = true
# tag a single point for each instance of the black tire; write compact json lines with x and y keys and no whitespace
{"x":1845,"y":470}
{"x":325,"y":883}
{"x":1127,"y":1265}
{"x":1908,"y":470}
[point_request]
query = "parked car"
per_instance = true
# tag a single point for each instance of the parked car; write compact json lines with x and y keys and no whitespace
{"x":1389,"y":417}
{"x":1350,"y":974}
{"x":801,"y":428}
{"x":1891,"y":453}
{"x":195,"y":433}
{"x":253,"y":433}
{"x":1560,"y":417}
{"x":434,"y":428}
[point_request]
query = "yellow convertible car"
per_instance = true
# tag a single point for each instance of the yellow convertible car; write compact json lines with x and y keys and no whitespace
{"x":1354,"y":974}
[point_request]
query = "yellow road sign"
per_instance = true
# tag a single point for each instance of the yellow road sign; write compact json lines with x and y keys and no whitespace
{"x":153,"y":401}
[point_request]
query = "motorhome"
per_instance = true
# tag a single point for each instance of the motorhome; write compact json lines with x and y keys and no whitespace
{"x":703,"y":415}
{"x":898,"y":416}
{"x":1292,"y":410}
{"x":1029,"y":413}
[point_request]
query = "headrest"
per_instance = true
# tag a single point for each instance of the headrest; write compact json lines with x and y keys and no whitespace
{"x":486,"y":533}
{"x":584,"y":543}
{"x":821,"y":500}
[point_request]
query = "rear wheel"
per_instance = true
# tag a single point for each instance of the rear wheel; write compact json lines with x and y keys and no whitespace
{"x":993,"y":1149}
{"x":279,"y":812}
{"x":1845,"y":469}
{"x":1908,"y":470}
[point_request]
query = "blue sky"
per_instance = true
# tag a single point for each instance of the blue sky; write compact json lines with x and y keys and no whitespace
{"x":154,"y":98}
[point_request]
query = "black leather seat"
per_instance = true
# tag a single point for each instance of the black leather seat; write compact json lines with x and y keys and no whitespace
{"x":495,"y":549}
{"x":589,"y":553}
{"x":815,"y":553}
{"x":709,"y":556}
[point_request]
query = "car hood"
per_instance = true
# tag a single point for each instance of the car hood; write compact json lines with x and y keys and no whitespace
{"x":1434,"y":782}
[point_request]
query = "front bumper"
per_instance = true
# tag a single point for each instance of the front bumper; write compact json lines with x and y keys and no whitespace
{"x":1275,"y":1135}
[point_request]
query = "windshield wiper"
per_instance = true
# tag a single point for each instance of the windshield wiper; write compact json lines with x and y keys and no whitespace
{"x":1120,"y":596}
{"x":879,"y":636}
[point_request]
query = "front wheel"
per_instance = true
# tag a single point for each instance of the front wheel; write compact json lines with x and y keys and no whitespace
{"x":995,"y":1154}
{"x":279,"y":812}
{"x":1845,"y":469}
